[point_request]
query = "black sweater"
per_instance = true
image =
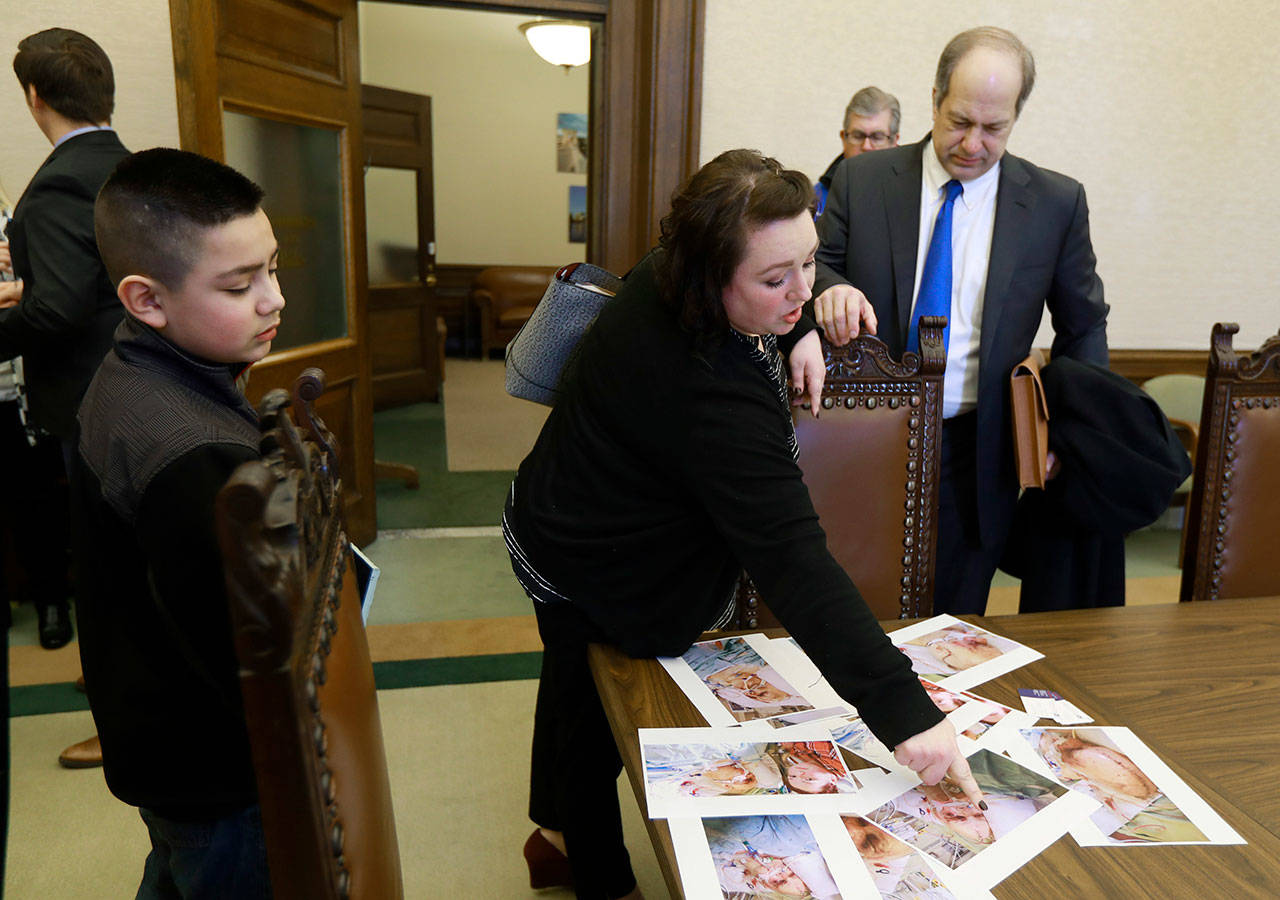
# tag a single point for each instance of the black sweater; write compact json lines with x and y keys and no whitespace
{"x":160,"y":433}
{"x":660,"y":474}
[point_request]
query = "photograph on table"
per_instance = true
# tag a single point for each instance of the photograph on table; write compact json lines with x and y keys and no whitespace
{"x":740,"y":680}
{"x":786,"y":654}
{"x":851,"y":733}
{"x":801,"y":667}
{"x":1143,"y":801}
{"x":719,"y":771}
{"x":1026,"y":812}
{"x":800,"y":718}
{"x":853,"y":737}
{"x":996,"y":729}
{"x":747,"y":857}
{"x":964,"y":710}
{"x":897,"y":871}
{"x":957,"y":655}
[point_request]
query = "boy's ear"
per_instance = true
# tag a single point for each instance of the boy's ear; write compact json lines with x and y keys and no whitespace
{"x":144,"y":298}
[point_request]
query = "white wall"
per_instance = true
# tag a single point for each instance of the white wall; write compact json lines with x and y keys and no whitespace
{"x":498,"y":196}
{"x":1166,"y":110}
{"x":134,"y":34}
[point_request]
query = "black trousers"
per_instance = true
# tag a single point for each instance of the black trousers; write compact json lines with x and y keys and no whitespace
{"x":965,"y":567}
{"x":35,"y":511}
{"x":574,"y":784}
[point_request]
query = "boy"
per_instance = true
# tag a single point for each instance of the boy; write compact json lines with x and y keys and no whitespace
{"x":163,"y":425}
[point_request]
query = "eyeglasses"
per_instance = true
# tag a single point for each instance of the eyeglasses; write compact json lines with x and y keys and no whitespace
{"x":877,"y":138}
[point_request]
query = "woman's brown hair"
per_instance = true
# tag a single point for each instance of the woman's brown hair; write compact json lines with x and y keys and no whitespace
{"x":704,"y":237}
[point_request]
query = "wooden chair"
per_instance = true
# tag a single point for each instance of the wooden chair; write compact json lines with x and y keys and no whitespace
{"x":871,"y":465}
{"x":305,"y":672}
{"x":1233,"y":514}
{"x":506,"y":296}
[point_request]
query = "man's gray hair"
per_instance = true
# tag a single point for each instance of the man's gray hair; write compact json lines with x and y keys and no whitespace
{"x":871,"y":101}
{"x":986,"y":36}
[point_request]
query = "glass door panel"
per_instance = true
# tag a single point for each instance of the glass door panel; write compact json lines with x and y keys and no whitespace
{"x":299,"y":167}
{"x":391,"y":224}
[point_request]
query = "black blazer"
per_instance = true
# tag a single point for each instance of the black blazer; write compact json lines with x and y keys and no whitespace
{"x":62,"y":328}
{"x":1040,"y":255}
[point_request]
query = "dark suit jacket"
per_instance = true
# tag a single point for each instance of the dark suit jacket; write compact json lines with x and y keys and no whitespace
{"x":1040,"y":254}
{"x":62,"y":328}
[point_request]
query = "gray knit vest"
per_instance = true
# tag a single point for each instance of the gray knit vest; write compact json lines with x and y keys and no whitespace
{"x":148,"y":405}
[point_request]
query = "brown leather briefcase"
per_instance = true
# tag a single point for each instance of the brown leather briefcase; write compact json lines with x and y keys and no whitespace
{"x":1030,"y":421}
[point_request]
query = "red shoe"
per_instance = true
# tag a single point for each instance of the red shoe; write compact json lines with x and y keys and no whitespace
{"x":548,"y":867}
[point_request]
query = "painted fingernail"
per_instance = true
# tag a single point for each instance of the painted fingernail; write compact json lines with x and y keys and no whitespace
{"x":982,"y":805}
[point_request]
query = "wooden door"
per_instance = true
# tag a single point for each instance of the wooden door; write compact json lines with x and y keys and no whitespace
{"x":273,"y":88}
{"x":400,"y":221}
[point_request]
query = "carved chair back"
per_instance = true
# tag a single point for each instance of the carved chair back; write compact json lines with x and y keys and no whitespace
{"x":305,"y":670}
{"x":870,"y":462}
{"x":1233,"y":516}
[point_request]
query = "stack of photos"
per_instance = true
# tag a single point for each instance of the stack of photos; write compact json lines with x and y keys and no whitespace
{"x":957,"y":655}
{"x":1143,"y":801}
{"x":741,"y":680}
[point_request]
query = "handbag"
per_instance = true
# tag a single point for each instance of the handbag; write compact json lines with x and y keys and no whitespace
{"x":1030,"y":422}
{"x":537,"y":355}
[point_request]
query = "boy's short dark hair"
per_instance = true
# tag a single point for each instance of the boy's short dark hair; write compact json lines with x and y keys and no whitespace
{"x":152,"y":212}
{"x":71,"y":74}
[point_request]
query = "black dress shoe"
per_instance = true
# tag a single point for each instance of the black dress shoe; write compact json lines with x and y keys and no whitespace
{"x":55,"y":626}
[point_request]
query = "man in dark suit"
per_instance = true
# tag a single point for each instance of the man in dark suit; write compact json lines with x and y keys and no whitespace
{"x":63,"y":322}
{"x":870,"y":123}
{"x":1015,"y":238}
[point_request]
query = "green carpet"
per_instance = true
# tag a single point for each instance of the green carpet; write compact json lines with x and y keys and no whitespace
{"x":440,"y":579}
{"x":42,"y":699}
{"x":415,"y":435}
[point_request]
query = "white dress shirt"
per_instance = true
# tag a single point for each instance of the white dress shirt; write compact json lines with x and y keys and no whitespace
{"x":972,"y":222}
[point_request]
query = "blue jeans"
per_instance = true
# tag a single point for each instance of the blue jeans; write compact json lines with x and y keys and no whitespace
{"x":209,"y":860}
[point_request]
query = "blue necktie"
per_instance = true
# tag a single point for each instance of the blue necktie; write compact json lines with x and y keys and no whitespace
{"x":934,"y":298}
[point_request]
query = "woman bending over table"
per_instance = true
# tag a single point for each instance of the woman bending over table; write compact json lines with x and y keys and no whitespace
{"x":666,"y":467}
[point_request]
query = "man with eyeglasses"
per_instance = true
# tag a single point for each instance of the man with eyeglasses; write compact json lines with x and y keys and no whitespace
{"x":954,"y":225}
{"x":870,"y":123}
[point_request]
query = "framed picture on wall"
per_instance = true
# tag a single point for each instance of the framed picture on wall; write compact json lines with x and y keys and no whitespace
{"x":577,"y":213}
{"x":571,"y":142}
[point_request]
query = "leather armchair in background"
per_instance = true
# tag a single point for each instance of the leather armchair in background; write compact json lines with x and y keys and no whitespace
{"x":506,"y":296}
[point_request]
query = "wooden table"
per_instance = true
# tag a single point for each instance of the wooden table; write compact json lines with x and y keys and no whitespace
{"x":1198,"y":682}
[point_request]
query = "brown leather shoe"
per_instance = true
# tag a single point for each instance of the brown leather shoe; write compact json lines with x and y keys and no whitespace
{"x":84,"y":755}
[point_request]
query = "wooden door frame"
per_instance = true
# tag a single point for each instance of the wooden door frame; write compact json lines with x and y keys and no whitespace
{"x":194,"y":26}
{"x":645,"y":107}
{"x":645,"y":112}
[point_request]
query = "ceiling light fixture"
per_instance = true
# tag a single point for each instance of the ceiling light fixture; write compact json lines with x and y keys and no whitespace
{"x":559,"y":41}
